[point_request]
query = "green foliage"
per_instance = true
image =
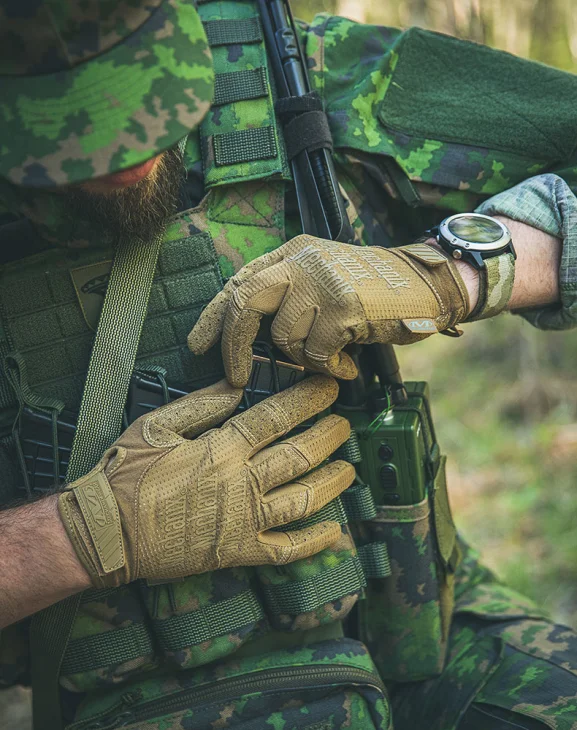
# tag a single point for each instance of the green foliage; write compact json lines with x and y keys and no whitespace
{"x":505,"y":407}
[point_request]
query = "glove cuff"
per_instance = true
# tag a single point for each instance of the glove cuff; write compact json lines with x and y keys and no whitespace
{"x":91,"y":518}
{"x":443,"y":277}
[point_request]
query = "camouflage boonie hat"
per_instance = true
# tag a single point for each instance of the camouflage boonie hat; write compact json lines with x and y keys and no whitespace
{"x":91,"y":87}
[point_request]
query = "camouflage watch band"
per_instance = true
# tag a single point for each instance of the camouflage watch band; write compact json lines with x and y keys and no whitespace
{"x":496,"y":280}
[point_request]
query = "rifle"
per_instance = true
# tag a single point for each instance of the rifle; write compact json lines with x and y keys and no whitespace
{"x":393,"y":443}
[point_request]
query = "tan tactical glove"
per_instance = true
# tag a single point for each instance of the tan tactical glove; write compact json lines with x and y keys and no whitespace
{"x":166,"y":502}
{"x":326,"y":295}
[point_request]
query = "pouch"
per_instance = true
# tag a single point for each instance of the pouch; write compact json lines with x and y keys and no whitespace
{"x":405,"y":618}
{"x":323,"y":686}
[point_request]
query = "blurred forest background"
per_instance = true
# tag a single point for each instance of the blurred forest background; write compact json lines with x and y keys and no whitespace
{"x":504,"y":396}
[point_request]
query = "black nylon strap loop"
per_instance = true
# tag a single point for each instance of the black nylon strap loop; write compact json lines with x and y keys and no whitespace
{"x":310,"y":102}
{"x":309,"y":131}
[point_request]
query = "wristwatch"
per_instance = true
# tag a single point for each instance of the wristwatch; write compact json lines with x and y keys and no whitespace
{"x":485,"y":243}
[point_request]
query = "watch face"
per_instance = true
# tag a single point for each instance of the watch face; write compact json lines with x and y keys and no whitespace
{"x":475,"y":229}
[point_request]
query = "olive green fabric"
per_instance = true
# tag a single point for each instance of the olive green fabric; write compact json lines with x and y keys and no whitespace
{"x":477,"y":96}
{"x":44,"y":308}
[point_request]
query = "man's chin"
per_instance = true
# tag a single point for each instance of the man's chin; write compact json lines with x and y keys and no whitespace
{"x":140,"y":209}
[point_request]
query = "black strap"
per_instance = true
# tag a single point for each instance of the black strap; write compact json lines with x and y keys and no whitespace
{"x":309,"y":131}
{"x":292,"y":105}
{"x":227,"y":32}
{"x":240,"y":85}
{"x":305,"y":124}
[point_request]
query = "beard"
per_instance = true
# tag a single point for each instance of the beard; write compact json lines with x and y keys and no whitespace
{"x":140,"y":211}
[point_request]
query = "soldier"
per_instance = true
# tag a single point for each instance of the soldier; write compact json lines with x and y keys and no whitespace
{"x":184,"y":606}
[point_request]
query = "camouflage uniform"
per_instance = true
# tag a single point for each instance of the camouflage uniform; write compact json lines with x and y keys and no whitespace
{"x":402,"y":169}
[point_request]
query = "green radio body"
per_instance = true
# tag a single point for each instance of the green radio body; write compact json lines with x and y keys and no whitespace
{"x":395,"y":453}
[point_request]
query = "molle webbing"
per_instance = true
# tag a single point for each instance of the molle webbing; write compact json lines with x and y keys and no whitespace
{"x":232,"y":32}
{"x":240,"y":136}
{"x":240,"y":86}
{"x":107,"y":649}
{"x":245,"y":145}
{"x":330,"y":585}
{"x":45,"y":308}
{"x":281,"y":595}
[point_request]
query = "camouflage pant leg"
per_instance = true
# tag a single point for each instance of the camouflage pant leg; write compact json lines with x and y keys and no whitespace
{"x":508,"y":666}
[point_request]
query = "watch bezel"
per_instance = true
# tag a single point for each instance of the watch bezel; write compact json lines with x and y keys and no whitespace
{"x":461,"y":243}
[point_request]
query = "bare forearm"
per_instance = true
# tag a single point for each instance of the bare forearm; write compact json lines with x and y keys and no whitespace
{"x":536,"y":268}
{"x":38,"y":565}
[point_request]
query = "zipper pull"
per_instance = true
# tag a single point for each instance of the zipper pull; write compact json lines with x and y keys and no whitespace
{"x":106,"y":721}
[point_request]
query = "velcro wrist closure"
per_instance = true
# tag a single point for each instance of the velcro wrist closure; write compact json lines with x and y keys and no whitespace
{"x":100,"y":514}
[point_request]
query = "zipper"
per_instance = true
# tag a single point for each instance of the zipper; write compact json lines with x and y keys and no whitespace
{"x":264,"y":681}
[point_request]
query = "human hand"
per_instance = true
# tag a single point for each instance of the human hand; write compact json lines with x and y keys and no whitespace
{"x":325,"y":295}
{"x":171,"y":499}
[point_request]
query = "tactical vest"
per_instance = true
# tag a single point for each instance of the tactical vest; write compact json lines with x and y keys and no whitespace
{"x":49,"y":307}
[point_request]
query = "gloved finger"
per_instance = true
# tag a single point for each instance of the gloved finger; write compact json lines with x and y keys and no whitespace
{"x":280,"y":413}
{"x":284,"y":461}
{"x":309,"y":338}
{"x":339,"y":364}
{"x":285,"y":547}
{"x":190,"y":415}
{"x":305,"y":497}
{"x":208,"y":328}
{"x":262,"y":294}
{"x":326,"y":341}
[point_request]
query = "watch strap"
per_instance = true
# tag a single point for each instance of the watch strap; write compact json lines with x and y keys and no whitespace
{"x":496,"y":281}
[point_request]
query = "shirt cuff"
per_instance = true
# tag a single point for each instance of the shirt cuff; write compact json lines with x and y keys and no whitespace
{"x":546,"y":202}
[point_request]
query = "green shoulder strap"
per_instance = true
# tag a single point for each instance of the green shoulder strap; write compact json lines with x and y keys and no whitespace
{"x":99,"y":425}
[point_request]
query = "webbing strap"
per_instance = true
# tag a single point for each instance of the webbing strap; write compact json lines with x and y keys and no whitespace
{"x":295,"y":597}
{"x":244,"y":145}
{"x":235,"y":86}
{"x":105,"y":649}
{"x":358,"y":502}
{"x":333,"y":511}
{"x":351,"y":450}
{"x":374,"y":558}
{"x":99,"y":424}
{"x":113,"y":354}
{"x":209,"y":622}
{"x":228,"y":31}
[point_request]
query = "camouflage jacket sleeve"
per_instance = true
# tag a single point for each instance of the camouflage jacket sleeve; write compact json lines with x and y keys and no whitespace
{"x":454,"y":121}
{"x":546,"y":202}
